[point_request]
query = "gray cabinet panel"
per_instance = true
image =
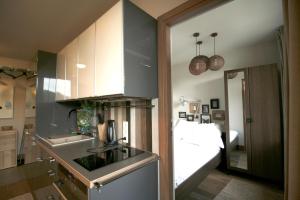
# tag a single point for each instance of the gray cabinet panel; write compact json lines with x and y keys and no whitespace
{"x":140,"y":184}
{"x":51,"y":117}
{"x":140,"y":52}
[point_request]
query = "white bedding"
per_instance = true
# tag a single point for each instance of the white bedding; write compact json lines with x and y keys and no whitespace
{"x":232,"y":135}
{"x":194,"y":145}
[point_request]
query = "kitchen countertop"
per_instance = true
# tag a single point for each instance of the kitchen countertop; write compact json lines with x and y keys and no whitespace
{"x":66,"y":154}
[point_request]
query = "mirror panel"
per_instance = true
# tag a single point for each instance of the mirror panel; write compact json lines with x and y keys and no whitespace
{"x":237,"y":137}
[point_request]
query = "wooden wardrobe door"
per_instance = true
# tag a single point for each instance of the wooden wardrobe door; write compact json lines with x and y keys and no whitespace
{"x":266,"y":139}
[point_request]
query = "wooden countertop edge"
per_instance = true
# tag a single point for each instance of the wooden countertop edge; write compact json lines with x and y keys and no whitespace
{"x":104,"y":179}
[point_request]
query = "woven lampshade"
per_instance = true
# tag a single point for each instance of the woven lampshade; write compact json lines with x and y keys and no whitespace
{"x":216,"y":62}
{"x":198,"y":65}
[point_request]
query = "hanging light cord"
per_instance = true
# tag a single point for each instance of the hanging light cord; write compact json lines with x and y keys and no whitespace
{"x":196,"y":46}
{"x":214,"y":35}
{"x":214,"y":46}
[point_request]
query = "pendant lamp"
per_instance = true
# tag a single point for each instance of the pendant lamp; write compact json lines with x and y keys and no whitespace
{"x":199,"y":63}
{"x":216,"y":62}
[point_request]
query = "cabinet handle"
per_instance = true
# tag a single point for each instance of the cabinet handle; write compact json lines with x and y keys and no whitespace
{"x":39,"y":159}
{"x":98,"y":186}
{"x":52,"y":174}
{"x":249,"y":120}
{"x":148,"y":66}
{"x":51,"y":197}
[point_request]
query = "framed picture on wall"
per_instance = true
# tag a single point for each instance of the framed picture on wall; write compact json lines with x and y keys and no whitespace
{"x":214,"y":104}
{"x":190,"y":117}
{"x":194,"y":107}
{"x":205,"y":119}
{"x":218,"y":115}
{"x":205,"y":109}
{"x":182,"y":114}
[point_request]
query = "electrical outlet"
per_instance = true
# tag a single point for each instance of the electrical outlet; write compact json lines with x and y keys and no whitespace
{"x":125,"y":131}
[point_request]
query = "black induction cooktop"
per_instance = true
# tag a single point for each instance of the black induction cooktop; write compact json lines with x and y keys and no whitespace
{"x":107,"y":157}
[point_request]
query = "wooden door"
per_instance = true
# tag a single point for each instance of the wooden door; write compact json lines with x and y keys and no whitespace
{"x":266,"y":143}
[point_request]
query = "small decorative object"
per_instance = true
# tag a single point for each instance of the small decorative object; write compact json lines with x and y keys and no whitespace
{"x":182,"y":101}
{"x":190,"y":117}
{"x":214,"y":104}
{"x":218,"y":115}
{"x":205,"y":109}
{"x":199,"y":63}
{"x":194,"y":107}
{"x":6,"y":128}
{"x":182,"y":115}
{"x":15,"y":73}
{"x":197,"y":116}
{"x":216,"y":62}
{"x":7,"y":105}
{"x":205,"y":119}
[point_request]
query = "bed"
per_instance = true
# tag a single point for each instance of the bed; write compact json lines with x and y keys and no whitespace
{"x":196,"y":153}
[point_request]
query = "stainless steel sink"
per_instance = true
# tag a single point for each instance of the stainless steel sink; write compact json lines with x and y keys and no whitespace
{"x":67,"y":140}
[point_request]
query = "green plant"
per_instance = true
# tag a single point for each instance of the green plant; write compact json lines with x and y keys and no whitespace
{"x":85,"y":117}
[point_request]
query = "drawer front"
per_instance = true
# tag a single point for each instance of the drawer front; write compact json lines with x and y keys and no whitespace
{"x":8,"y":159}
{"x":7,"y":142}
{"x":69,"y":186}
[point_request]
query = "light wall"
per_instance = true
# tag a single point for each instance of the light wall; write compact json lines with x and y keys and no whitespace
{"x":211,"y":83}
{"x":19,"y":85}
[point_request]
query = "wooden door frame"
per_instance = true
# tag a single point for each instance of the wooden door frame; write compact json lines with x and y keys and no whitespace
{"x":165,"y":22}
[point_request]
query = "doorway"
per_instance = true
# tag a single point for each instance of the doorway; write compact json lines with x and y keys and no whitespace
{"x":166,"y":22}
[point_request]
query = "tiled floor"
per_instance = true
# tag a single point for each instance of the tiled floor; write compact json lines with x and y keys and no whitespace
{"x":220,"y":186}
{"x":238,"y":159}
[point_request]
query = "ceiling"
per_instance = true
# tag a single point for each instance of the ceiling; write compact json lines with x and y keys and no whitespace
{"x":240,"y":23}
{"x":49,"y":25}
{"x":157,"y":7}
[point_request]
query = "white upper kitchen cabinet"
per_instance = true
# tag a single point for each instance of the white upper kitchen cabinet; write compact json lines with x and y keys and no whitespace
{"x":71,"y":70}
{"x":109,"y":60}
{"x":86,"y":62}
{"x":115,"y":56}
{"x":61,"y":76}
{"x":126,"y":52}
